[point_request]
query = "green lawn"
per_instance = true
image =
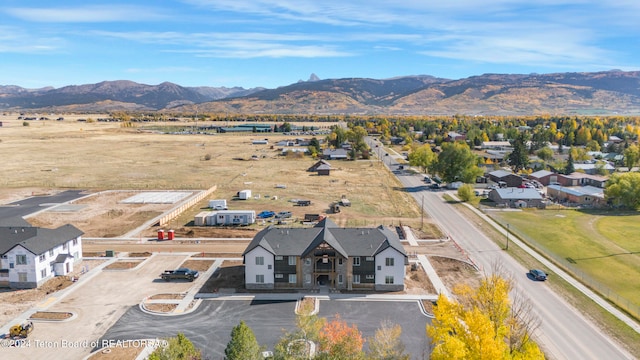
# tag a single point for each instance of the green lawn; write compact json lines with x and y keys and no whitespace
{"x":605,"y":246}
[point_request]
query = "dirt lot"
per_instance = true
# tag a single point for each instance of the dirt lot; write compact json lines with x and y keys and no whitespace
{"x":102,"y":156}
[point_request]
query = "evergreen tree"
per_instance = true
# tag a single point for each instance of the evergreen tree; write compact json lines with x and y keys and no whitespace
{"x":568,"y":169}
{"x":518,"y":159}
{"x":243,"y":344}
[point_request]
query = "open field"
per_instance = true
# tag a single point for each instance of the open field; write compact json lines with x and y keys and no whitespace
{"x":49,"y":155}
{"x":602,"y":246}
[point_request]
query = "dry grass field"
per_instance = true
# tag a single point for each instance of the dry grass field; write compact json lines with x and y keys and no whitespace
{"x":50,"y":155}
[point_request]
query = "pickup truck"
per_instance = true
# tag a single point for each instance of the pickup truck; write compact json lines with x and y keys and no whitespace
{"x":182,"y":273}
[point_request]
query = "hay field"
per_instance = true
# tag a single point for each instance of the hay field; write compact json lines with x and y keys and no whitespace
{"x":66,"y":154}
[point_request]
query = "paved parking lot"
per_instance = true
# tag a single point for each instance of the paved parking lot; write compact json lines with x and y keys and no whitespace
{"x":209,"y":327}
{"x":34,"y":204}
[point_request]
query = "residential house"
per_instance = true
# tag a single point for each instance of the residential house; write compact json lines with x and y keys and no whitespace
{"x":577,"y":195}
{"x":593,"y":168}
{"x":454,"y":136}
{"x":511,"y":179}
{"x":321,"y":167}
{"x":544,"y":177}
{"x":496,"y":145}
{"x":325,"y":255}
{"x":587,"y":179}
{"x":33,"y":255}
{"x":335,"y":154}
{"x":516,"y":197}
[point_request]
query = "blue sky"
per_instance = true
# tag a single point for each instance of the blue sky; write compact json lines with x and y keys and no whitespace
{"x":273,"y":43}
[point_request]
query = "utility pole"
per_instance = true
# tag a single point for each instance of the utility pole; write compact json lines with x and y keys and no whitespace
{"x":507,"y":247}
{"x":422,"y":214}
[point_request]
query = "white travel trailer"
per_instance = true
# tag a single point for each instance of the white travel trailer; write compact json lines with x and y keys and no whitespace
{"x":231,"y":217}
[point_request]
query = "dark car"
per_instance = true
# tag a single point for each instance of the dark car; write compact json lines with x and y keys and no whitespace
{"x":435,"y":186}
{"x":265,"y":214}
{"x":538,"y":274}
{"x":283,"y":215}
{"x":181,"y":273}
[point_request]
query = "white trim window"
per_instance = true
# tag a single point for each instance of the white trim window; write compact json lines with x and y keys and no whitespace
{"x":292,"y":260}
{"x":259,"y":260}
{"x":356,"y":261}
{"x":356,"y":279}
{"x":369,"y":258}
{"x":21,"y":260}
{"x":43,"y":257}
{"x":389,"y":261}
{"x":388,"y":280}
{"x":293,"y":279}
{"x":259,"y":279}
{"x":339,"y":278}
{"x":279,"y":258}
{"x":279,"y":276}
{"x":43,"y":273}
{"x":370,"y":277}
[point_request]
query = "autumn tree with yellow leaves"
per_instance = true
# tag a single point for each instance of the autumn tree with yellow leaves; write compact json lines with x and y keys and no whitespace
{"x":484,"y":324}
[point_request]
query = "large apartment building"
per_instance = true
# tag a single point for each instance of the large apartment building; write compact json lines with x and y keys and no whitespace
{"x":325,"y":255}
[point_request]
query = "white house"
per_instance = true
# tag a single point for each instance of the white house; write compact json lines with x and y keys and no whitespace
{"x":340,"y":258}
{"x":32,"y":255}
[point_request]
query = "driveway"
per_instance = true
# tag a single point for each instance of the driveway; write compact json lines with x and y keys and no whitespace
{"x":98,"y":304}
{"x":209,"y":327}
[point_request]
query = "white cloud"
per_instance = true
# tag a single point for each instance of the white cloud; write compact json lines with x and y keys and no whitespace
{"x":21,"y":41}
{"x":86,"y":14}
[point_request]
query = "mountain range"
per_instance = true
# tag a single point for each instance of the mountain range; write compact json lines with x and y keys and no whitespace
{"x":585,"y":93}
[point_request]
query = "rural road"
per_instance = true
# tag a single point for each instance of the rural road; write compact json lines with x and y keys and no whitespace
{"x":564,"y":332}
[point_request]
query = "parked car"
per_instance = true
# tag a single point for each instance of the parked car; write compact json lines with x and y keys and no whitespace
{"x":284,"y":214}
{"x":181,"y":273}
{"x":435,"y":186}
{"x":427,"y":179}
{"x":265,"y":214}
{"x":538,"y":274}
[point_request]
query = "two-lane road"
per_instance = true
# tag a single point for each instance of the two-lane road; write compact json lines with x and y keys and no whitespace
{"x":564,"y":332}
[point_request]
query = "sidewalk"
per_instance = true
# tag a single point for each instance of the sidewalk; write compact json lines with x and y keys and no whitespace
{"x":433,"y":276}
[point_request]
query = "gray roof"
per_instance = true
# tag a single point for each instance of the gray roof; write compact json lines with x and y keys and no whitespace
{"x":335,"y":152}
{"x":501,"y":173}
{"x":540,"y":174}
{"x":36,"y":240}
{"x":579,"y":190}
{"x":16,"y":221}
{"x":518,"y":193}
{"x":346,"y":241}
{"x":61,"y":258}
